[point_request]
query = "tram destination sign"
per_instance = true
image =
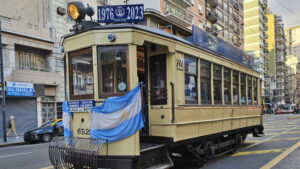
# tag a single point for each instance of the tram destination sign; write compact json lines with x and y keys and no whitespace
{"x":219,"y":46}
{"x":81,"y":105}
{"x":121,"y":13}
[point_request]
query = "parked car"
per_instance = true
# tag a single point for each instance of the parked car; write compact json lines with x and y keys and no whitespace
{"x":46,"y":132}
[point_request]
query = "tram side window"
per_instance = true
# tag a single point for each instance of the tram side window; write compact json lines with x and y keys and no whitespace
{"x":112,"y":66}
{"x":243,"y":88}
{"x":81,"y":74}
{"x":190,"y":66}
{"x":249,"y":79}
{"x":255,"y":91}
{"x":205,"y":82}
{"x":227,"y":84}
{"x":217,"y":84}
{"x":235,"y":87}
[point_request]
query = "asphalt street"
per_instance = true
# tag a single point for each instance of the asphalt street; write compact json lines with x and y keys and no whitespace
{"x":278,"y":149}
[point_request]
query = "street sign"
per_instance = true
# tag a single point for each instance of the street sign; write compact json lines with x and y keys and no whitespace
{"x":121,"y":13}
{"x":81,"y":105}
{"x":19,"y":89}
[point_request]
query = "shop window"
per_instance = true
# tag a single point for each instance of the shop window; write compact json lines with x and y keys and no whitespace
{"x":113,"y":70}
{"x":205,"y":74}
{"x":249,"y":81}
{"x":235,"y":87}
{"x":190,"y":66}
{"x":81,"y":74}
{"x":158,"y":80}
{"x":255,"y":91}
{"x":243,"y":88}
{"x":227,"y":86}
{"x":217,"y":84}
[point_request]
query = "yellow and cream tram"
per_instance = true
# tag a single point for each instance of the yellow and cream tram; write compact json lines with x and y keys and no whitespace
{"x":196,"y":102}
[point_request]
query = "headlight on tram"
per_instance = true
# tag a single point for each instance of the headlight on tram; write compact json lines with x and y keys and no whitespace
{"x":76,"y":10}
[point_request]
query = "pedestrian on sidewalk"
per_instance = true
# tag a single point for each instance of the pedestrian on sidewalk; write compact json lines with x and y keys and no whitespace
{"x":11,"y":126}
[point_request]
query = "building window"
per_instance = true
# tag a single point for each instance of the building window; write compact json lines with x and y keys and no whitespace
{"x":113,"y":69}
{"x":230,"y":11}
{"x":255,"y":91}
{"x":217,"y":84}
{"x":220,"y":30}
{"x":190,"y":67}
{"x":227,"y":86}
{"x":205,"y":74}
{"x":225,"y":7}
{"x":249,"y":81}
{"x":158,"y":78}
{"x":230,"y":23}
{"x":231,"y":37}
{"x":226,"y":34}
{"x":200,"y":8}
{"x":81,"y":74}
{"x":243,"y":88}
{"x":200,"y":24}
{"x":235,"y":87}
{"x":220,"y":15}
{"x":48,"y":111}
{"x":226,"y":21}
{"x":28,"y":58}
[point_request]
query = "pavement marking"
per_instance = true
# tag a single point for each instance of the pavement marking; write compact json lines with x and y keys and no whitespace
{"x":292,"y":132}
{"x":47,"y":167}
{"x":24,"y":146}
{"x":251,"y":141}
{"x":280,"y":157}
{"x":15,"y":154}
{"x":296,"y":117}
{"x":276,"y":129}
{"x":259,"y":152}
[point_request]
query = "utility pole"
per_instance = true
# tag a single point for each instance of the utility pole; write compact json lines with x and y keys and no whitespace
{"x":2,"y":88}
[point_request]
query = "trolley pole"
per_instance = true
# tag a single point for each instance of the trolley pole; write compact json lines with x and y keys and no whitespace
{"x":2,"y":88}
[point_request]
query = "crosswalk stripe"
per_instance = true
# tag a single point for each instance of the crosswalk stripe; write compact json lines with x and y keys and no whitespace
{"x":259,"y":152}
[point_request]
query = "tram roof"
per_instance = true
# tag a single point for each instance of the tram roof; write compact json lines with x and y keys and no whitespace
{"x":154,"y":31}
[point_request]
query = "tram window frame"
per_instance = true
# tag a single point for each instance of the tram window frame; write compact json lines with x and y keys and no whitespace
{"x":102,"y":49}
{"x":235,"y":86}
{"x":217,"y":82}
{"x":255,"y":97}
{"x":70,"y":56}
{"x":243,"y":88}
{"x":249,"y":81}
{"x":195,"y":76}
{"x":227,"y":82}
{"x":205,"y":77}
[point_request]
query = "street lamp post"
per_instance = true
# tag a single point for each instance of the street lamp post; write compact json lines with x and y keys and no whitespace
{"x":2,"y":88}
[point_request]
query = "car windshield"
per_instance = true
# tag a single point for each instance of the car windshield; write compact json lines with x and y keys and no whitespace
{"x":47,"y":124}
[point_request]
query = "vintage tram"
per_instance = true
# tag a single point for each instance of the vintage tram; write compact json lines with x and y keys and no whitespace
{"x":196,"y":102}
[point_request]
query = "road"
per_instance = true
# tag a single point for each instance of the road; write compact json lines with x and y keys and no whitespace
{"x":278,"y":149}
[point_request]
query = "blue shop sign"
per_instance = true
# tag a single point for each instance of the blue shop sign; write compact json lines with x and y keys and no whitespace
{"x":19,"y":89}
{"x":81,"y":105}
{"x":219,"y":46}
{"x":121,"y":13}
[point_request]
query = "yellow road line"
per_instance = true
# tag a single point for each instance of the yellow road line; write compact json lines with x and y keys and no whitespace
{"x":289,"y":138}
{"x":251,"y":141}
{"x":259,"y":152}
{"x":281,"y":156}
{"x":296,"y":117}
{"x":47,"y":167}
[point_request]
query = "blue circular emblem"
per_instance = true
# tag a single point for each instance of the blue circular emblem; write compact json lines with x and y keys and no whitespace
{"x":111,"y":37}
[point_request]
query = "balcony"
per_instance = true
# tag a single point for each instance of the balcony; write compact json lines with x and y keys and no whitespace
{"x":266,"y":51}
{"x":280,"y":59}
{"x":264,"y":3}
{"x":213,"y":30}
{"x":280,"y":74}
{"x":236,"y":5}
{"x":265,"y":19}
{"x":212,"y":3}
{"x":177,"y":15}
{"x":183,"y":3}
{"x":212,"y":16}
{"x":279,"y":32}
{"x":280,"y":67}
{"x":237,"y":29}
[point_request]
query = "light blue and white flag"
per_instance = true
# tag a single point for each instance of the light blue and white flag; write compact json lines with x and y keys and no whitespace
{"x":117,"y":117}
{"x":66,"y":120}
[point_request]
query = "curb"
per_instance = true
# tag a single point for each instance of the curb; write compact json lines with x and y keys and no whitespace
{"x":12,"y":144}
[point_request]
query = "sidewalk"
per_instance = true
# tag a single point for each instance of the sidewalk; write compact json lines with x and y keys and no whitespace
{"x":11,"y":140}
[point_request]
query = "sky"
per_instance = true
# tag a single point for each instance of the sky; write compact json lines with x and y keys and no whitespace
{"x":288,"y":9}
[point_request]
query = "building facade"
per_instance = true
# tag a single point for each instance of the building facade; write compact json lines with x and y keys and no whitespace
{"x":255,"y":43}
{"x":293,"y":52}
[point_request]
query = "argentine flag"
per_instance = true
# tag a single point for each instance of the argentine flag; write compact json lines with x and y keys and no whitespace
{"x":66,"y":120}
{"x":117,"y":117}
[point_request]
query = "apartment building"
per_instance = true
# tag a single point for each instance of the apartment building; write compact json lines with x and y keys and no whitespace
{"x":223,"y":18}
{"x":282,"y":92}
{"x":255,"y":43}
{"x":292,"y":35}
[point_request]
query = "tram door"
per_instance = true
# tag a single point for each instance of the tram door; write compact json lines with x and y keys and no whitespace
{"x":142,"y":77}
